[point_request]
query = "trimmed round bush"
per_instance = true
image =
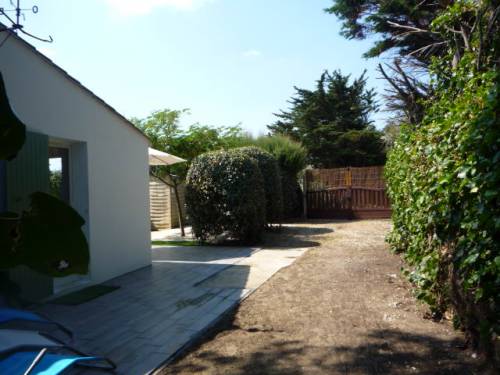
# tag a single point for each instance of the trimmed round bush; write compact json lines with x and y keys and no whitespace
{"x":272,"y":182}
{"x":225,"y":195}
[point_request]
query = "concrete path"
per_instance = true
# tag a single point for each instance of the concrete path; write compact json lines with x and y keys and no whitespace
{"x":159,"y":310}
{"x":172,"y":235}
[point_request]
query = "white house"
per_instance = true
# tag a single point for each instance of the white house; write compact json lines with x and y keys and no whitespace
{"x":102,"y":158}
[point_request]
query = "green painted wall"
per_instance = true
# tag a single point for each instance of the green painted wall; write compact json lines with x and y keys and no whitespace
{"x":27,"y":173}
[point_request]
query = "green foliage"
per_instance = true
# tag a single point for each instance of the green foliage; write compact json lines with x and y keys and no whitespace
{"x":332,"y":122}
{"x":444,"y":178}
{"x":364,"y":18}
{"x":165,"y":133}
{"x":443,"y":184}
{"x":225,"y":195}
{"x":55,"y":181}
{"x":359,"y":148}
{"x":391,"y":134}
{"x":161,"y":126}
{"x":290,"y":154}
{"x":443,"y":172}
{"x":47,"y":238}
{"x":12,"y":130}
{"x":291,"y":157}
{"x":272,"y":182}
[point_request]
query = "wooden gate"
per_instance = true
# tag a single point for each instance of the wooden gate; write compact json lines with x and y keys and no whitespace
{"x":346,"y":193}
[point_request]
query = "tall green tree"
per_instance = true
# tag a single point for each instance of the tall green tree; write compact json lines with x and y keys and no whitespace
{"x":404,"y":30}
{"x":161,"y":127}
{"x":165,"y":133}
{"x":333,"y":122}
{"x":402,"y":26}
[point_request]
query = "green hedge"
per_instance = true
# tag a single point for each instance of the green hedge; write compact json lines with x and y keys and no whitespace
{"x":444,"y":184}
{"x":272,"y":182}
{"x":225,"y":195}
{"x":291,"y":157}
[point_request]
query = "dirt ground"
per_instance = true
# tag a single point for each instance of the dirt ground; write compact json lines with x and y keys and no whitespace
{"x":342,"y":308}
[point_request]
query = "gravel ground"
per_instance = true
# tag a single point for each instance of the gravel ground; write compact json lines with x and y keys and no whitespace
{"x":342,"y":308}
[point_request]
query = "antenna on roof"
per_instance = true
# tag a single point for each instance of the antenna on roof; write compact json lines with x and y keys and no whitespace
{"x":15,"y":19}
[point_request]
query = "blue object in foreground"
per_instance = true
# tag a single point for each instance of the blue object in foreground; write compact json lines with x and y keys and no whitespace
{"x":50,"y":364}
{"x":14,"y":315}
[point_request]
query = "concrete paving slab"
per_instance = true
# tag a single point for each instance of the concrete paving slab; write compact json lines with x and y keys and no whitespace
{"x":260,"y":266}
{"x":159,"y":310}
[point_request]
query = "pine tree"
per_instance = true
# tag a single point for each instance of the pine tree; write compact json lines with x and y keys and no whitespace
{"x":333,"y":123}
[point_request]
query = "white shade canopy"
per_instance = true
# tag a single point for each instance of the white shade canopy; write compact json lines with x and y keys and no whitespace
{"x":157,"y":157}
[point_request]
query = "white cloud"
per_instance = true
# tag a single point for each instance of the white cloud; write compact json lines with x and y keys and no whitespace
{"x":252,"y":53}
{"x":143,"y":7}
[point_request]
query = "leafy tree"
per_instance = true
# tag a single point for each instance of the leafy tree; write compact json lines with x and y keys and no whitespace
{"x":403,"y":28}
{"x":406,"y":28}
{"x":198,"y":139}
{"x":332,"y":122}
{"x":400,"y":25}
{"x":165,"y":133}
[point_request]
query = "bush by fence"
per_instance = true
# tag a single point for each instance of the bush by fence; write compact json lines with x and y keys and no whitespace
{"x":443,"y":180}
{"x":291,"y":157}
{"x":225,"y":194}
{"x":272,"y":182}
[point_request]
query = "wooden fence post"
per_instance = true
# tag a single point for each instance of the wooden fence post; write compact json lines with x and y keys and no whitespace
{"x":304,"y":194}
{"x":349,"y":190}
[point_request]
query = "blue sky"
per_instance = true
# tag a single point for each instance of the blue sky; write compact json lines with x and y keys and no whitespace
{"x":229,"y":61}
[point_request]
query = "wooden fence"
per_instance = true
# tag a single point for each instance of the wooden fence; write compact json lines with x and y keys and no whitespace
{"x":163,"y":207}
{"x":346,"y":193}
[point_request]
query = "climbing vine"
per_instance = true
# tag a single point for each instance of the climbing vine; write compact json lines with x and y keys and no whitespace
{"x":443,"y":180}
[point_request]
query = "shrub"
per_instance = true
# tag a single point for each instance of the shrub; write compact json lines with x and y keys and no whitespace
{"x":225,"y":195}
{"x":272,"y":182}
{"x":291,"y":157}
{"x":443,"y":181}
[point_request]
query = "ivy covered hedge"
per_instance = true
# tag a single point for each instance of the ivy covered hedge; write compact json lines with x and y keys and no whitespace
{"x":225,"y":195}
{"x":444,"y":184}
{"x":272,"y":182}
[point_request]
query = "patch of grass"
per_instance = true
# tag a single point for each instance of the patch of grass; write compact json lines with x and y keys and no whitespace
{"x":177,"y":243}
{"x":84,"y":295}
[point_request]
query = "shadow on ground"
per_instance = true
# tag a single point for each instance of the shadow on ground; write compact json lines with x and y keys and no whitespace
{"x":383,"y":352}
{"x":199,"y":254}
{"x":295,"y":235}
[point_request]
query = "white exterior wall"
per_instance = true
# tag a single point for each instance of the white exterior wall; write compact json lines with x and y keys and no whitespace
{"x":48,"y":102}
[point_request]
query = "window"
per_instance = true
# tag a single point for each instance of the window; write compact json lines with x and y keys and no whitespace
{"x":59,"y":173}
